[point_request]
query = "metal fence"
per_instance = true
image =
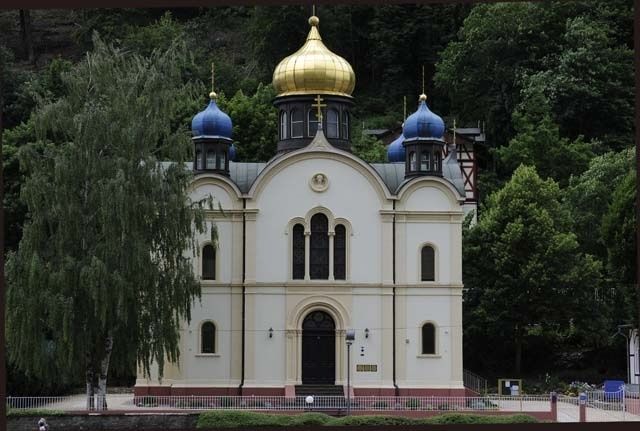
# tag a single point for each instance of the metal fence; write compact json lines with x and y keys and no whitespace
{"x":537,"y":403}
{"x":474,"y":382}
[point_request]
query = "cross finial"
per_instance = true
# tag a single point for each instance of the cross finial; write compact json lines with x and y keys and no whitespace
{"x":454,"y":131}
{"x":319,"y":105}
{"x":213,"y":76}
{"x":314,"y":10}
{"x":423,"y":79}
{"x":404,"y":112}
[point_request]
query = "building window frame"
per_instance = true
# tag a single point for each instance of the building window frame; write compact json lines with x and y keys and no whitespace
{"x":421,"y":269}
{"x":435,"y":338}
{"x":200,"y":350}
{"x":215,"y":262}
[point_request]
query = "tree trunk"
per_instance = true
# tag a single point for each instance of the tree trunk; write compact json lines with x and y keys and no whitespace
{"x":89,"y":378}
{"x":104,"y":371}
{"x":518,"y":365}
{"x":27,"y":34}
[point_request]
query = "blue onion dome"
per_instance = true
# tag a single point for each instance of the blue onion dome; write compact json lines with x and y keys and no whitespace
{"x":423,"y":123}
{"x":233,"y":153}
{"x":211,"y":122}
{"x":396,"y":151}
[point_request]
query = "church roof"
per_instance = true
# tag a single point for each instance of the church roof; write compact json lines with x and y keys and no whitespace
{"x":244,"y":174}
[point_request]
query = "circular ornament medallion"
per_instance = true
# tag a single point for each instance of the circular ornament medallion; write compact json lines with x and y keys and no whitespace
{"x":319,"y":182}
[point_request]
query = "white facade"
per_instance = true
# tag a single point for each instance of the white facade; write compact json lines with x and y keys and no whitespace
{"x":382,"y":295}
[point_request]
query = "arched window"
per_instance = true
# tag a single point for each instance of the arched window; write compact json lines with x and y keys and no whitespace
{"x":208,"y":338}
{"x":345,"y":125}
{"x":198,"y":160}
{"x":297,"y":123}
{"x":222,"y":160}
{"x":312,"y":123}
{"x":283,"y":125}
{"x":428,"y":339}
{"x":339,"y":253}
{"x":211,"y":159}
{"x":427,"y":263}
{"x":425,"y":161}
{"x":412,"y":161}
{"x":319,"y":250}
{"x":332,"y":123}
{"x":436,"y":161}
{"x":298,"y":252}
{"x":208,"y":262}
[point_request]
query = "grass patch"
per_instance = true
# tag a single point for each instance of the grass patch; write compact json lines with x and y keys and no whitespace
{"x":33,"y":412}
{"x":239,"y":419}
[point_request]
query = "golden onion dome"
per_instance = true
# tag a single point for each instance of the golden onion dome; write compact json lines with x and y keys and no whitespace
{"x":313,"y":69}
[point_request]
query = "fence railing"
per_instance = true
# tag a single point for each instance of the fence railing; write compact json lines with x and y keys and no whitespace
{"x":539,"y":403}
{"x":476,"y":383}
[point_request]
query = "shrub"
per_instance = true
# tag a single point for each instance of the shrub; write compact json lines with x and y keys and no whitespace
{"x":370,"y":421}
{"x":309,"y":419}
{"x":34,"y":412}
{"x":237,"y":418}
{"x":460,"y":418}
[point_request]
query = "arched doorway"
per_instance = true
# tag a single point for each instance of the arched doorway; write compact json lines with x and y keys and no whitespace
{"x":318,"y":349}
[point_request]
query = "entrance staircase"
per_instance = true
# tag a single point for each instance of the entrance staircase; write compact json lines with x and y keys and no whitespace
{"x":320,"y":390}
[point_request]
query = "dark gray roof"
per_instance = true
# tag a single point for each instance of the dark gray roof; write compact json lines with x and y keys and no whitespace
{"x":392,"y":174}
{"x":244,"y":174}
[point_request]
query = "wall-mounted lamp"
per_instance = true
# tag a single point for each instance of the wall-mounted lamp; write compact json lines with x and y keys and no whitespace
{"x":270,"y":332}
{"x":366,"y":332}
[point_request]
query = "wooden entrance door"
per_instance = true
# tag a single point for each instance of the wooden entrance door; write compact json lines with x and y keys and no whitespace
{"x":318,"y":349}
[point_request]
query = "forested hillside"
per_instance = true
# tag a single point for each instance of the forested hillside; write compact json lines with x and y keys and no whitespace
{"x":549,"y":269}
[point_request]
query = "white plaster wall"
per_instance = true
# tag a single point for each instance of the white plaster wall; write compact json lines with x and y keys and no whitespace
{"x":217,"y":192}
{"x":428,"y":371}
{"x":287,"y":195}
{"x":429,"y":198}
{"x":367,"y":313}
{"x":269,"y":353}
{"x":224,"y":252}
{"x":437,"y":234}
{"x":208,"y":369}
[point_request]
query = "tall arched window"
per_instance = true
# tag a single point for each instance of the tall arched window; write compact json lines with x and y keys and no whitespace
{"x":312,"y":122}
{"x":298,"y":252}
{"x":425,"y":161}
{"x":283,"y":125}
{"x":345,"y":125}
{"x":332,"y":123}
{"x":211,"y":159}
{"x":428,"y":339}
{"x":222,"y":160}
{"x":428,"y":264}
{"x":436,"y":161}
{"x":340,"y":253}
{"x":208,"y":338}
{"x":208,"y":262}
{"x":297,"y":123}
{"x":412,"y":161}
{"x":319,"y":250}
{"x":198,"y":160}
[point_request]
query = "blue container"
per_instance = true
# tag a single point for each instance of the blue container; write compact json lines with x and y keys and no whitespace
{"x":612,"y":387}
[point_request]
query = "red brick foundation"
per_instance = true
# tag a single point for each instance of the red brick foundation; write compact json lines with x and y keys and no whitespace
{"x":234,"y":390}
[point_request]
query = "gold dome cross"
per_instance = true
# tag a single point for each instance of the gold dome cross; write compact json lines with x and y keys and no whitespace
{"x":319,"y":105}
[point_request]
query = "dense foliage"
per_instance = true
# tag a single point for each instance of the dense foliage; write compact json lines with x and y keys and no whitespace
{"x":101,"y":265}
{"x":549,"y":269}
{"x":237,"y":419}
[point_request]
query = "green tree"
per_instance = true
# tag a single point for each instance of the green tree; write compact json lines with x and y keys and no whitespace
{"x":538,"y":143}
{"x":367,"y":147}
{"x":589,"y":195}
{"x":255,"y":122}
{"x":525,"y":274}
{"x":101,"y":265}
{"x":591,"y":85}
{"x":619,"y":235}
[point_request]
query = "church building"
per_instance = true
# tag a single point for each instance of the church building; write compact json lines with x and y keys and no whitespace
{"x":317,"y":242}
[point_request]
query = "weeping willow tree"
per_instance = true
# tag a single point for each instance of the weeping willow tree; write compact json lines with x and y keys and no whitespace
{"x":102,"y":266}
